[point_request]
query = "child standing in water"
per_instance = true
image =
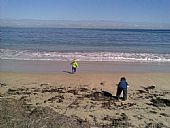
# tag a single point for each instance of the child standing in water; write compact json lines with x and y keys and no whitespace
{"x":122,"y":86}
{"x":74,"y":65}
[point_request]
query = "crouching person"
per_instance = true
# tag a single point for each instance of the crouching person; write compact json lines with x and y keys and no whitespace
{"x":122,"y":86}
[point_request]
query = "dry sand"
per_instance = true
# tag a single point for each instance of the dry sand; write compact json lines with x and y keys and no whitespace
{"x":85,"y":95}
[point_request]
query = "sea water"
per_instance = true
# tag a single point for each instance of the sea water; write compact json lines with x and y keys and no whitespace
{"x":65,"y":44}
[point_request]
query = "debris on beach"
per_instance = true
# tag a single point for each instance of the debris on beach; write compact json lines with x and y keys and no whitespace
{"x":44,"y":84}
{"x":58,"y":99}
{"x":121,"y":122}
{"x":149,"y":88}
{"x":164,"y":114}
{"x":19,"y":114}
{"x":155,"y":125}
{"x":66,"y":100}
{"x":159,"y":102}
{"x":99,"y":96}
{"x":19,"y":91}
{"x":3,"y":84}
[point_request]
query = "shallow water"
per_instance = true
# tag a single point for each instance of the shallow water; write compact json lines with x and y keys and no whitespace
{"x":57,"y":44}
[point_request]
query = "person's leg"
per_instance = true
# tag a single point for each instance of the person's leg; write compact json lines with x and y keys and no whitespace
{"x":119,"y":90}
{"x":124,"y":94}
{"x":72,"y":69}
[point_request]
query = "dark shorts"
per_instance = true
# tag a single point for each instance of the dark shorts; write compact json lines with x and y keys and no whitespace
{"x":73,"y":69}
{"x":119,"y":91}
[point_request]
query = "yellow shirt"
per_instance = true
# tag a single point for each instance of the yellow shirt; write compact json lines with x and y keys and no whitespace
{"x":74,"y":64}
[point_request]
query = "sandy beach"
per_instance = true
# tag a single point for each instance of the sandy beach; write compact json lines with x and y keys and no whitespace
{"x":63,"y":64}
{"x":86,"y":95}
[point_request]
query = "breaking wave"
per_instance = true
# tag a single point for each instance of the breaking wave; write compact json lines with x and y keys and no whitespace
{"x":83,"y":56}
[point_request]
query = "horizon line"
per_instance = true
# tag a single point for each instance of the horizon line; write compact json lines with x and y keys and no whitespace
{"x":5,"y":22}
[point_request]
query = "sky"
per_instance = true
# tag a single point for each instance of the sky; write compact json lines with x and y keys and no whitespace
{"x":144,"y":11}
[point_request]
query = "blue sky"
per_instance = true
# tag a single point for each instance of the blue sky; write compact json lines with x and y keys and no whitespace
{"x":147,"y":11}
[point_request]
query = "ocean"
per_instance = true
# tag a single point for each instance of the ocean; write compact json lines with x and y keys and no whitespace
{"x":65,"y":44}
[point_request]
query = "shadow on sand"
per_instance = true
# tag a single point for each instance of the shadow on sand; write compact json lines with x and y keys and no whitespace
{"x":68,"y":72}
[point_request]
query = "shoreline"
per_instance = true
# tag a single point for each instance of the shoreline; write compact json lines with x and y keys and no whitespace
{"x":40,"y":66}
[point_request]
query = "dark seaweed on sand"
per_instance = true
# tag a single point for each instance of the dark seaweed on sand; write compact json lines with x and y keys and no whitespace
{"x":18,"y":114}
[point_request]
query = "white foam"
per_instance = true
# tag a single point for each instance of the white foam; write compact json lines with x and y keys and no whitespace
{"x":83,"y":56}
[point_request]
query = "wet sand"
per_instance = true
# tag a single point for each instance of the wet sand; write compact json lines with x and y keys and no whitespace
{"x":40,"y":66}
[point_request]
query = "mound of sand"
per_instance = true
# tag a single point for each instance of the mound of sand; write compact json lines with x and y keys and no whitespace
{"x":18,"y":114}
